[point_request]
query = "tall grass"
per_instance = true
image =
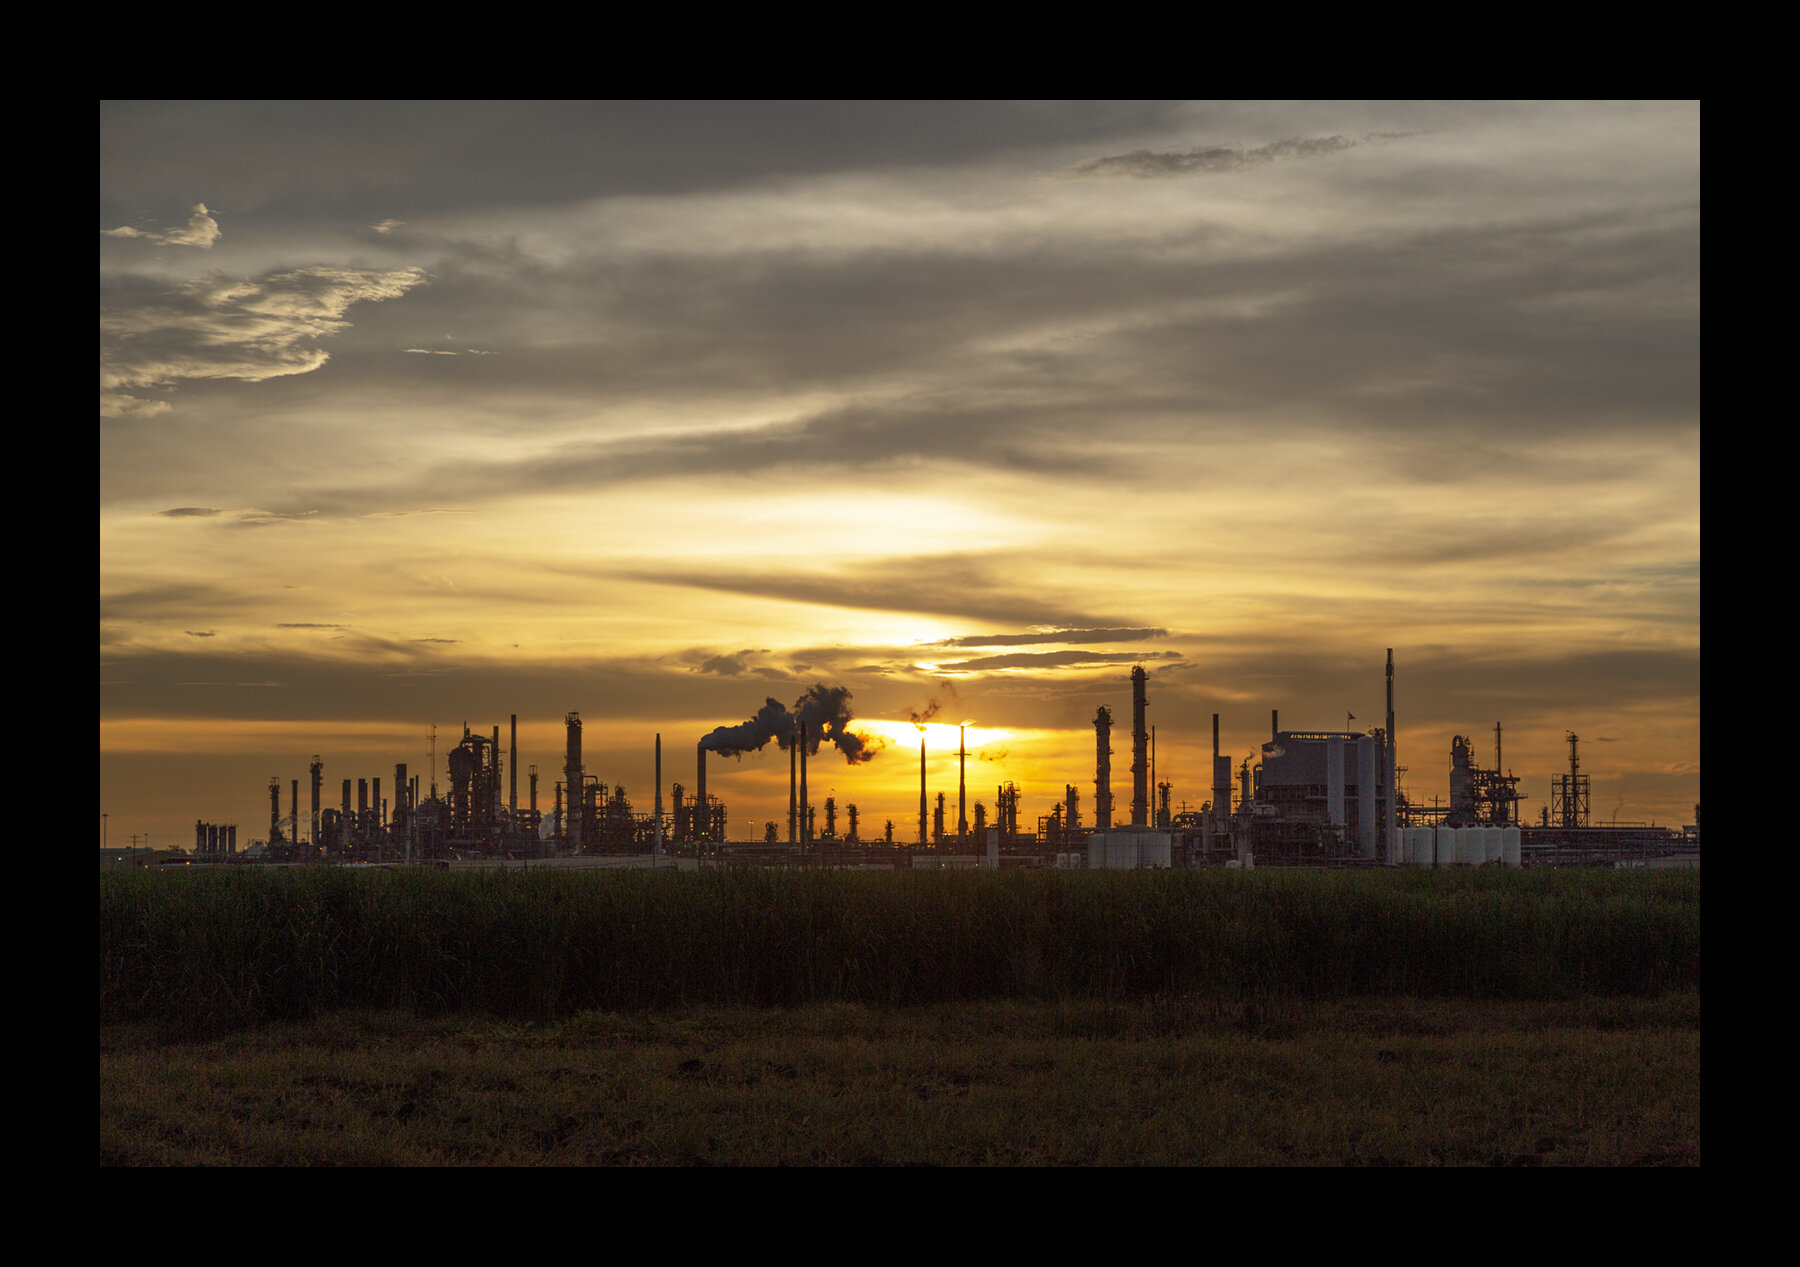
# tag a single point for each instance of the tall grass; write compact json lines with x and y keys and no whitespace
{"x":203,"y":952}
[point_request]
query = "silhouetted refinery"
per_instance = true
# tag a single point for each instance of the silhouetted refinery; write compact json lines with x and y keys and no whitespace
{"x":1305,"y":798}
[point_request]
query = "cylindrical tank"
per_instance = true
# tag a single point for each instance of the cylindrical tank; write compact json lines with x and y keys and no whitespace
{"x":1421,"y":846}
{"x":1468,"y":847}
{"x":1511,"y":847}
{"x":1493,"y":843}
{"x":1446,"y":846}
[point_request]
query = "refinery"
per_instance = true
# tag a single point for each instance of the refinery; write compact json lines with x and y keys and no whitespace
{"x":1305,"y":798}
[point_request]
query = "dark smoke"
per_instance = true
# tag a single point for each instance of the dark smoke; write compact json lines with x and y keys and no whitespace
{"x":931,"y":710}
{"x":772,"y":721}
{"x":825,"y":710}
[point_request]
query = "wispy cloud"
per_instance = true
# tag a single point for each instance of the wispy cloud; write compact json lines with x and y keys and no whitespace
{"x":1155,"y":164}
{"x":201,"y":230}
{"x":1064,"y":636}
{"x":228,"y":327}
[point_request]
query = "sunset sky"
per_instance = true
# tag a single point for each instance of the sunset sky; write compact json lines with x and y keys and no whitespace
{"x":419,"y":414}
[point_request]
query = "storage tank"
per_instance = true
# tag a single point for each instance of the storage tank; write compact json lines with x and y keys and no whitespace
{"x":1421,"y":846}
{"x":1468,"y":846}
{"x":1446,"y":846}
{"x":1511,"y":847}
{"x":1493,"y":843}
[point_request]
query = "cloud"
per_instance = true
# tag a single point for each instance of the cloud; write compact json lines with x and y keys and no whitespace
{"x":201,"y":230}
{"x":1069,"y":636}
{"x":1053,"y":660}
{"x":226,"y":327}
{"x":199,"y":633}
{"x":387,"y":226}
{"x":185,"y":512}
{"x":1155,"y":164}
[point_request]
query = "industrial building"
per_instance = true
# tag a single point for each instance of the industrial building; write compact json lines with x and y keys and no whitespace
{"x":1305,"y":798}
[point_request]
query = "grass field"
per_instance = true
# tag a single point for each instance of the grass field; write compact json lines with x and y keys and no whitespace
{"x":749,"y":1018}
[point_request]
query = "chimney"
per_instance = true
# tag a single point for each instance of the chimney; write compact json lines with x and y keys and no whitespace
{"x":1140,"y":743}
{"x":1102,"y":768}
{"x":700,"y":814}
{"x":572,"y":780}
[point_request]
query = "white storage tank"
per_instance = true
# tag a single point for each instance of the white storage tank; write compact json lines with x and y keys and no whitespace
{"x":1512,"y":847}
{"x":1446,"y":846}
{"x":1421,"y":846}
{"x":1494,"y":845}
{"x":1468,"y":846}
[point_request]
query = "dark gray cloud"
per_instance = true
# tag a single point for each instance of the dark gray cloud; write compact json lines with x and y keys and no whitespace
{"x":1152,"y":164}
{"x":373,"y":161}
{"x":971,"y":585}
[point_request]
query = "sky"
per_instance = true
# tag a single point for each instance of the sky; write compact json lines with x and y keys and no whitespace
{"x":420,"y":415}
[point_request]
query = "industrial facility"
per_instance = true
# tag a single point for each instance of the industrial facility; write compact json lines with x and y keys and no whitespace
{"x":1305,"y":798}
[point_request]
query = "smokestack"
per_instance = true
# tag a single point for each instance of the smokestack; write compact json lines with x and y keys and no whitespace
{"x":1393,"y":767}
{"x":294,"y":811}
{"x":512,"y":766}
{"x":275,"y":808}
{"x":318,"y":774}
{"x":793,"y":791}
{"x":344,"y":820}
{"x":922,"y":836}
{"x":1102,"y":768}
{"x":401,"y":800}
{"x":572,"y":779}
{"x":700,"y":815}
{"x":1140,"y":745}
{"x":1274,"y":723}
{"x":962,"y":761}
{"x":805,"y":805}
{"x":658,"y":845}
{"x":1221,"y":779}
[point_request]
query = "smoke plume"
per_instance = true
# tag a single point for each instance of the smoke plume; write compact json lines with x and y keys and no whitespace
{"x":825,"y":710}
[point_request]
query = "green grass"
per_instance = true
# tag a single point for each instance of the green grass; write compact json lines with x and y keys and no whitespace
{"x":203,"y":954}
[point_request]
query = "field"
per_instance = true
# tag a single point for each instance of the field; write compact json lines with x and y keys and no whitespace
{"x":756,"y":1017}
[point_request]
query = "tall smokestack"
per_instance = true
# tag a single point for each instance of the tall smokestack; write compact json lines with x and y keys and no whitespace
{"x":1393,"y":768}
{"x":1140,"y":752}
{"x":793,"y":792}
{"x":922,"y":836}
{"x":318,"y":776}
{"x":344,"y":819}
{"x":512,"y":767}
{"x":275,"y":807}
{"x":962,"y":761}
{"x":1221,"y":779}
{"x":805,"y":805}
{"x":658,"y":844}
{"x":572,"y":779}
{"x":700,"y":815}
{"x":1102,"y":768}
{"x":1274,"y":723}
